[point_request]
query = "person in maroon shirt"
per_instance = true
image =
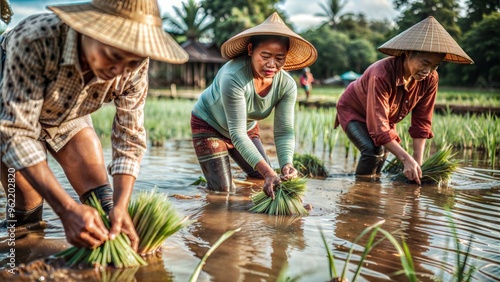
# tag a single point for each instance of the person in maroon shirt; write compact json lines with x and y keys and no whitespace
{"x":392,"y":88}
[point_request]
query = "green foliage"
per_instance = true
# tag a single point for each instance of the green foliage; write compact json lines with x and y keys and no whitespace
{"x":481,"y":44}
{"x":155,"y":219}
{"x":199,"y":267}
{"x":436,"y":169}
{"x":191,"y":21}
{"x":117,"y":252}
{"x":445,"y":12}
{"x":332,"y":12}
{"x":361,"y":54}
{"x":402,"y":251}
{"x":232,"y":17}
{"x":309,"y":165}
{"x":287,"y":201}
{"x":476,"y":10}
{"x":332,"y":47}
{"x":163,"y":120}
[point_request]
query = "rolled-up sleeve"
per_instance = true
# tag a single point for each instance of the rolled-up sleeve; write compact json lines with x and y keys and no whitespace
{"x":128,"y":137}
{"x":21,"y":103}
{"x":421,"y":117}
{"x":377,"y":112}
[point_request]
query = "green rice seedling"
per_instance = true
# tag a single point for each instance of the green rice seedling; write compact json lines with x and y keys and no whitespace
{"x":287,"y":199}
{"x":308,"y":165}
{"x":462,"y":272}
{"x":117,"y":252}
{"x":393,"y":166}
{"x":200,"y":181}
{"x":403,"y":252}
{"x":436,"y":169}
{"x":155,"y":219}
{"x":224,"y":237}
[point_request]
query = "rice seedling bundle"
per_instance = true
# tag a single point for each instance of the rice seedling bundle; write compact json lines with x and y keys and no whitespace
{"x":309,"y":165}
{"x":436,"y":169}
{"x":117,"y":252}
{"x":154,"y":219}
{"x":287,"y":199}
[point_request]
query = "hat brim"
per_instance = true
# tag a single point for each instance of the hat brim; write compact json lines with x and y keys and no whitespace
{"x":138,"y":38}
{"x":301,"y":53}
{"x":427,"y":35}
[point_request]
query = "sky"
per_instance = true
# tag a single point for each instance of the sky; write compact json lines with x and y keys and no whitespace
{"x":300,"y":15}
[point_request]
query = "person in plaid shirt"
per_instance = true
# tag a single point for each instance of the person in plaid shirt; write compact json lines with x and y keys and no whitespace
{"x":58,"y":69}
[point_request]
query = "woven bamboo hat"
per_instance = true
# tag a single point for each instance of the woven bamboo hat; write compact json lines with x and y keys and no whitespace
{"x":131,"y":25}
{"x":300,"y":55}
{"x":428,"y":36}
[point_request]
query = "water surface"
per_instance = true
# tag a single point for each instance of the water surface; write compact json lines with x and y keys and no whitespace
{"x":266,"y":245}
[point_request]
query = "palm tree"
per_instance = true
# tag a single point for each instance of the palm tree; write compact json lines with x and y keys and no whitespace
{"x":331,"y":11}
{"x":191,"y":21}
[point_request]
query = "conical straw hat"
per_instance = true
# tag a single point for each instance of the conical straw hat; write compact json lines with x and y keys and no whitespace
{"x":428,"y":36}
{"x":131,"y":25}
{"x":300,"y":54}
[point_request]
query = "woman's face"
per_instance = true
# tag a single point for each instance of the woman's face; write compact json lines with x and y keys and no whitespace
{"x":268,"y":57}
{"x":421,"y":64}
{"x":106,"y":61}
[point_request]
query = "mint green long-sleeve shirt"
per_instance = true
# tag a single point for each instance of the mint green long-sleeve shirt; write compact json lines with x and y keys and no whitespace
{"x":232,"y":106}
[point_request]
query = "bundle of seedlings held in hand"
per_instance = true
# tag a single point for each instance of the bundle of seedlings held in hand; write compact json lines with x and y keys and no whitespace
{"x":436,"y":169}
{"x":155,"y":219}
{"x":309,"y":165}
{"x":117,"y":252}
{"x":287,"y":199}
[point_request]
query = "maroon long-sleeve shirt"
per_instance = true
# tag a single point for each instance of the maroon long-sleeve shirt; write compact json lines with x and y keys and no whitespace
{"x":380,"y":99}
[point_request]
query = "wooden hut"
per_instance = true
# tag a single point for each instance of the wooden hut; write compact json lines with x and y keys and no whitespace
{"x":204,"y":62}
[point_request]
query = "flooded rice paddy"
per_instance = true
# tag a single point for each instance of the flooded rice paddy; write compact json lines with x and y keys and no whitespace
{"x":266,"y":245}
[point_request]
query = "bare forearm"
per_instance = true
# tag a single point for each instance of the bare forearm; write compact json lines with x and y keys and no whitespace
{"x":264,"y":169}
{"x":45,"y":183}
{"x":397,"y":151}
{"x":418,"y":149}
{"x":123,"y":185}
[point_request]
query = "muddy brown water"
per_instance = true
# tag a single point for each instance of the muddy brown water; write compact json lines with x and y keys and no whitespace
{"x":343,"y":208}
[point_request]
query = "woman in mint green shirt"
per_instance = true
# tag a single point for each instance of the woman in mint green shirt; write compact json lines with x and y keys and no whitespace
{"x":247,"y":89}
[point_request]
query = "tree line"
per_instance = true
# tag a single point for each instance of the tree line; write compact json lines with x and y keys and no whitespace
{"x":348,"y":41}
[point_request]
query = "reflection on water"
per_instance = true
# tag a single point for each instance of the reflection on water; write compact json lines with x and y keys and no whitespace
{"x":267,"y":244}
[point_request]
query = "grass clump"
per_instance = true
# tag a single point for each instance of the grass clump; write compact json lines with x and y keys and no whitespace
{"x":154,"y":219}
{"x":401,"y":249}
{"x":309,"y":165}
{"x":435,"y":170}
{"x":117,"y":252}
{"x":288,"y":199}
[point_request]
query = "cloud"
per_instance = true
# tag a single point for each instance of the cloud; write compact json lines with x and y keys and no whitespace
{"x":302,"y":12}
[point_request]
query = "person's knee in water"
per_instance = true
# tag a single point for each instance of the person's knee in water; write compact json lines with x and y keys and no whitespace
{"x":372,"y":157}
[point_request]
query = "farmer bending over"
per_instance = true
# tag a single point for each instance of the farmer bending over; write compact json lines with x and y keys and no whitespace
{"x":392,"y":88}
{"x":58,"y":69}
{"x":247,"y":89}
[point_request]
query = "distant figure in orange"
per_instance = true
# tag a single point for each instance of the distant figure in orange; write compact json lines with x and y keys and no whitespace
{"x":306,"y":80}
